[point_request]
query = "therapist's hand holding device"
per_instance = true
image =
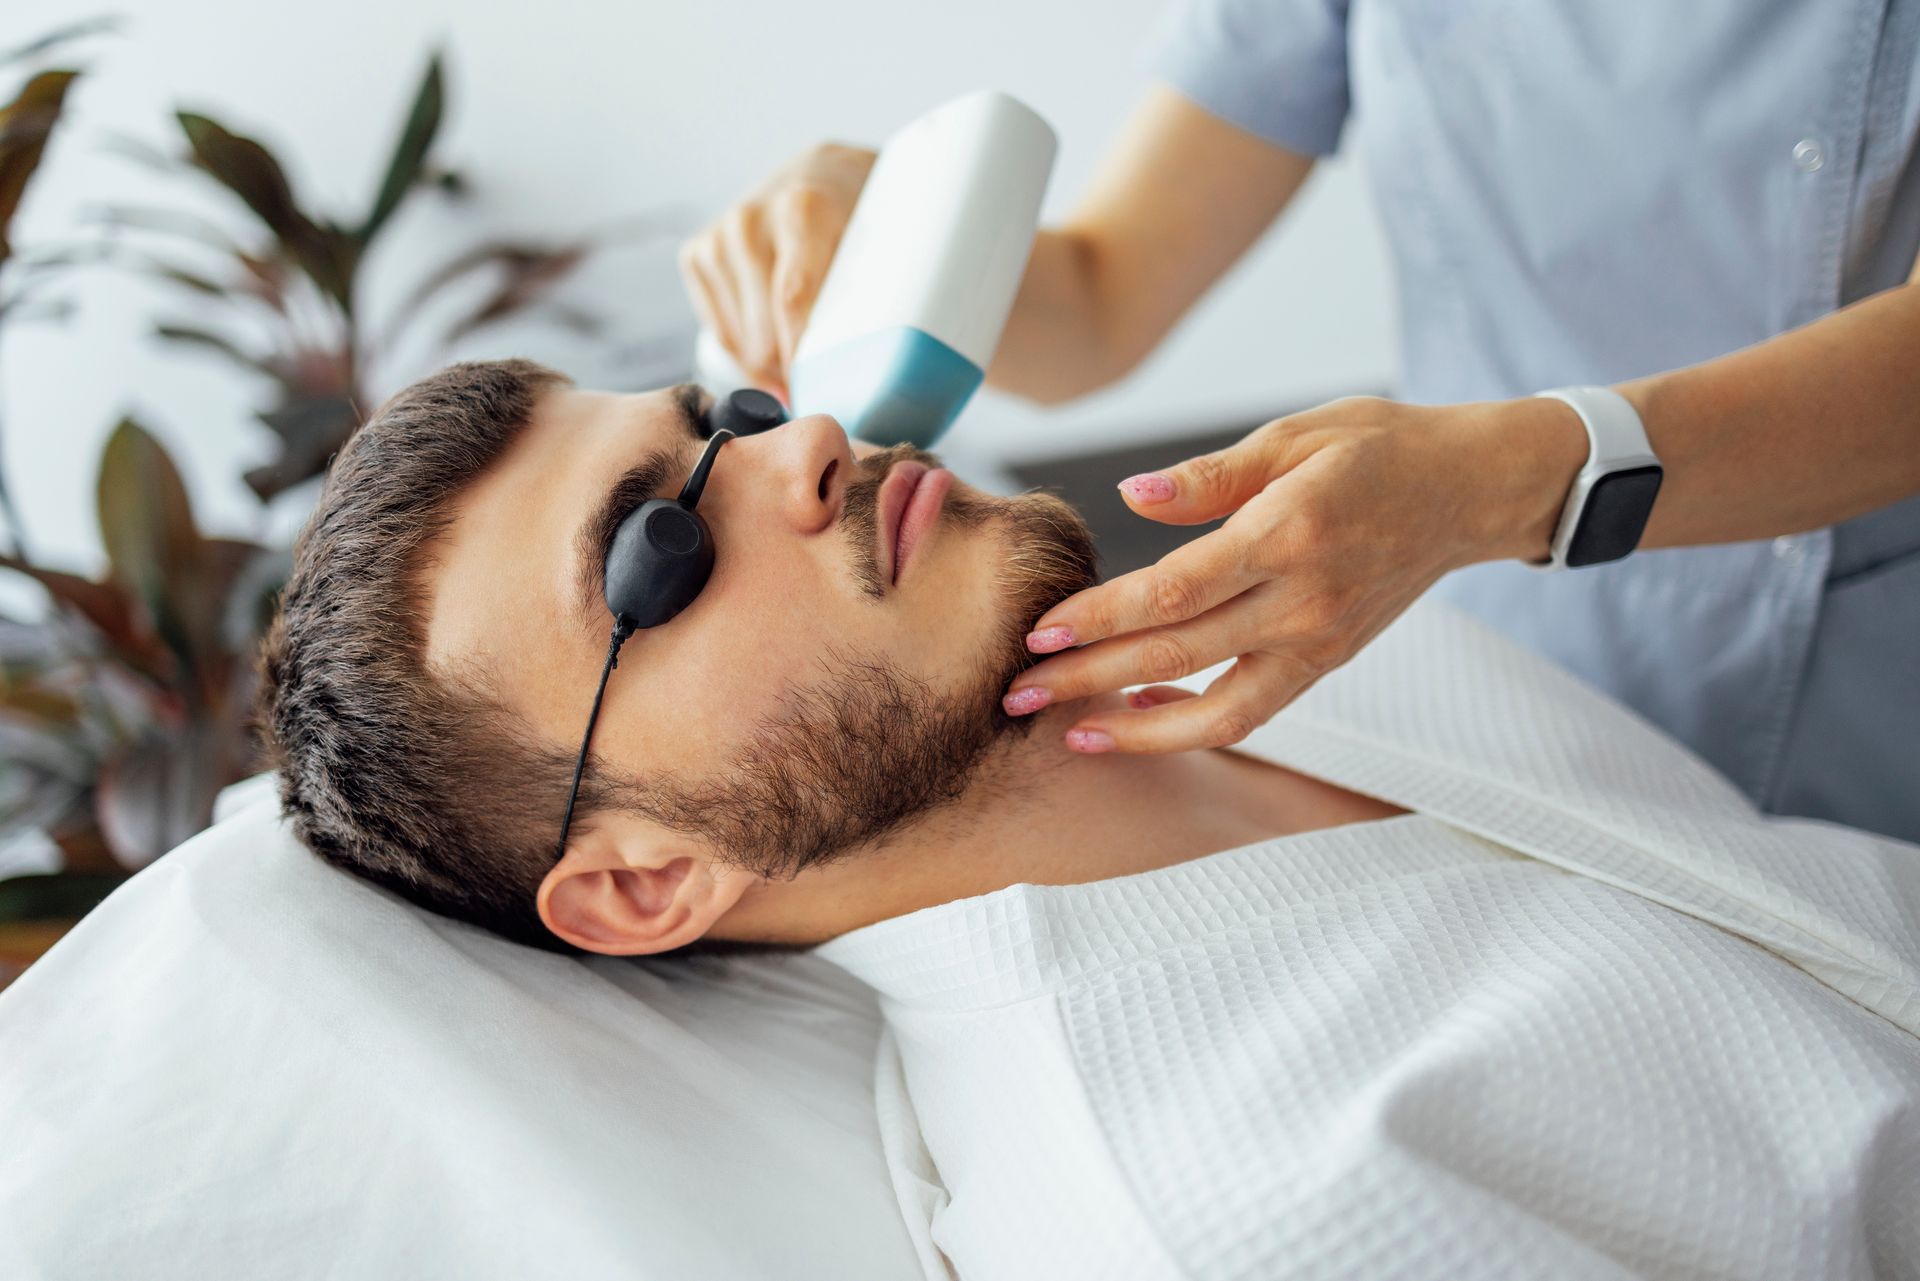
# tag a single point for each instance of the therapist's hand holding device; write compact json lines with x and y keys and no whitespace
{"x":754,"y":274}
{"x":920,"y":271}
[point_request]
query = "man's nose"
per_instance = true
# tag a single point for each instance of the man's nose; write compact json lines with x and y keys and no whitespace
{"x":800,"y":471}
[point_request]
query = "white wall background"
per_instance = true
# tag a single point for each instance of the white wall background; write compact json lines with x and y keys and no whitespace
{"x":576,"y":113}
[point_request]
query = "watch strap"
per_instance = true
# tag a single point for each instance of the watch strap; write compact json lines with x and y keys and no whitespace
{"x":1616,"y":441}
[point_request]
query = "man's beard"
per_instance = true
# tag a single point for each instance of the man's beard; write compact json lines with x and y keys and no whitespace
{"x":869,"y":749}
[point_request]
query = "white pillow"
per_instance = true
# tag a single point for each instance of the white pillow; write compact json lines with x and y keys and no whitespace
{"x":248,"y":1064}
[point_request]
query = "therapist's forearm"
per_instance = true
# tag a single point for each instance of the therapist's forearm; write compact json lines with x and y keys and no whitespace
{"x":1808,"y":429}
{"x":1179,"y":198}
{"x":1055,"y":345}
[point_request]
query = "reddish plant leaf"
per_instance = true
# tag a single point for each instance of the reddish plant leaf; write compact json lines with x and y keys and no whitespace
{"x":84,"y":848}
{"x":249,"y":171}
{"x":252,"y":589}
{"x":528,"y":277}
{"x":37,"y":702}
{"x":24,"y":125}
{"x":311,"y":431}
{"x":266,"y":280}
{"x":155,"y":794}
{"x":107,"y":606}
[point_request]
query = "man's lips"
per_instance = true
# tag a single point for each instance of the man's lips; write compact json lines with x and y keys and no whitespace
{"x":909,"y":503}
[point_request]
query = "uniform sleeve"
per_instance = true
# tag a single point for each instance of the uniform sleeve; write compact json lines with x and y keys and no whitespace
{"x":1276,"y":68}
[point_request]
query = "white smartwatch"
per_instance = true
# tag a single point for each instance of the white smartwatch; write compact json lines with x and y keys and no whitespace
{"x":1611,"y":498}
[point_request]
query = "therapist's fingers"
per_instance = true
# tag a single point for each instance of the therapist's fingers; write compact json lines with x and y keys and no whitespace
{"x":755,"y":273}
{"x":1209,"y":486}
{"x":748,"y":253}
{"x":805,"y":222}
{"x":1157,"y":696}
{"x":709,"y":284}
{"x":1187,"y":582}
{"x":1153,"y":654}
{"x":1241,"y":700}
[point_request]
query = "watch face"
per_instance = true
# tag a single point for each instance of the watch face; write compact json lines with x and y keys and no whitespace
{"x":1615,"y":516}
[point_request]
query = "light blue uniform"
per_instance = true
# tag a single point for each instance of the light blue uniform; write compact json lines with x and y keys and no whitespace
{"x":1591,"y":192}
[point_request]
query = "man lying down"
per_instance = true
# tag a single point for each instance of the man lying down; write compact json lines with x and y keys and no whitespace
{"x":1453,"y":969}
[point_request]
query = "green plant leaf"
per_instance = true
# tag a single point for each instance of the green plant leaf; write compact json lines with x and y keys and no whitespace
{"x":44,"y":311}
{"x":147,"y":525}
{"x":170,"y":222}
{"x":22,"y":307}
{"x":66,"y":896}
{"x":24,"y":125}
{"x":410,"y":153}
{"x":132,"y":147}
{"x":448,"y":182}
{"x":207,"y":338}
{"x":161,"y":269}
{"x":57,"y":37}
{"x":343,"y":251}
{"x":56,"y":258}
{"x":249,"y":171}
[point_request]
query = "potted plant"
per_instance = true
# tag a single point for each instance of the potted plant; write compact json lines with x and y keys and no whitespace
{"x":288,"y":306}
{"x":125,"y":707}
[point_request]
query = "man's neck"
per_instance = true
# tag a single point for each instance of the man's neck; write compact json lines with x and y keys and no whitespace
{"x":1045,"y":815}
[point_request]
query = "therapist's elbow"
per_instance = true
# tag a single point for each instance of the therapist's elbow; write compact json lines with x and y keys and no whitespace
{"x":1052,"y":388}
{"x":1109,"y":362}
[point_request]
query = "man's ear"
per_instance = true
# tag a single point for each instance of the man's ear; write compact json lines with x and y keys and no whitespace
{"x":628,"y":888}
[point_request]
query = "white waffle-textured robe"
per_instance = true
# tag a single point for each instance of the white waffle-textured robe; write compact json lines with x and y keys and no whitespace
{"x":1582,"y":1013}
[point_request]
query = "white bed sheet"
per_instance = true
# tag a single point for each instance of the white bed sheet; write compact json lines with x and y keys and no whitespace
{"x":247,"y":1064}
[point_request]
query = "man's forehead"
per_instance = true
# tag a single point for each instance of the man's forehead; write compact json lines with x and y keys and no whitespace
{"x":568,"y":411}
{"x":497,"y":577}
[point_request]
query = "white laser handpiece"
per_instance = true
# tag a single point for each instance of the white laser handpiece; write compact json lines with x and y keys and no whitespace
{"x":925,"y":275}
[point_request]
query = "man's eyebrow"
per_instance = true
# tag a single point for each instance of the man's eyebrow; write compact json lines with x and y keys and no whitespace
{"x":635,"y":486}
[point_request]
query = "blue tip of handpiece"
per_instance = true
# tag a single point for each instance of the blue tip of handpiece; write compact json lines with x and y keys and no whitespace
{"x":893,"y":386}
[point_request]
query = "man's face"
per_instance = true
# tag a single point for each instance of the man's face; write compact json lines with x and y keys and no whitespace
{"x":816,"y":695}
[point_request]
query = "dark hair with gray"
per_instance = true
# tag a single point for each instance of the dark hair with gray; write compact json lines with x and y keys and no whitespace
{"x":387,"y":770}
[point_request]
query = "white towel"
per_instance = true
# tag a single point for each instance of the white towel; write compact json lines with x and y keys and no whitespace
{"x":1582,"y":1014}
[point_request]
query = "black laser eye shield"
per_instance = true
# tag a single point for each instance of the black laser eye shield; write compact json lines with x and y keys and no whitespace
{"x":662,"y":555}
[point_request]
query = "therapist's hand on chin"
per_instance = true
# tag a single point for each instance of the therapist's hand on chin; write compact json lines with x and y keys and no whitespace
{"x":1337,"y":519}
